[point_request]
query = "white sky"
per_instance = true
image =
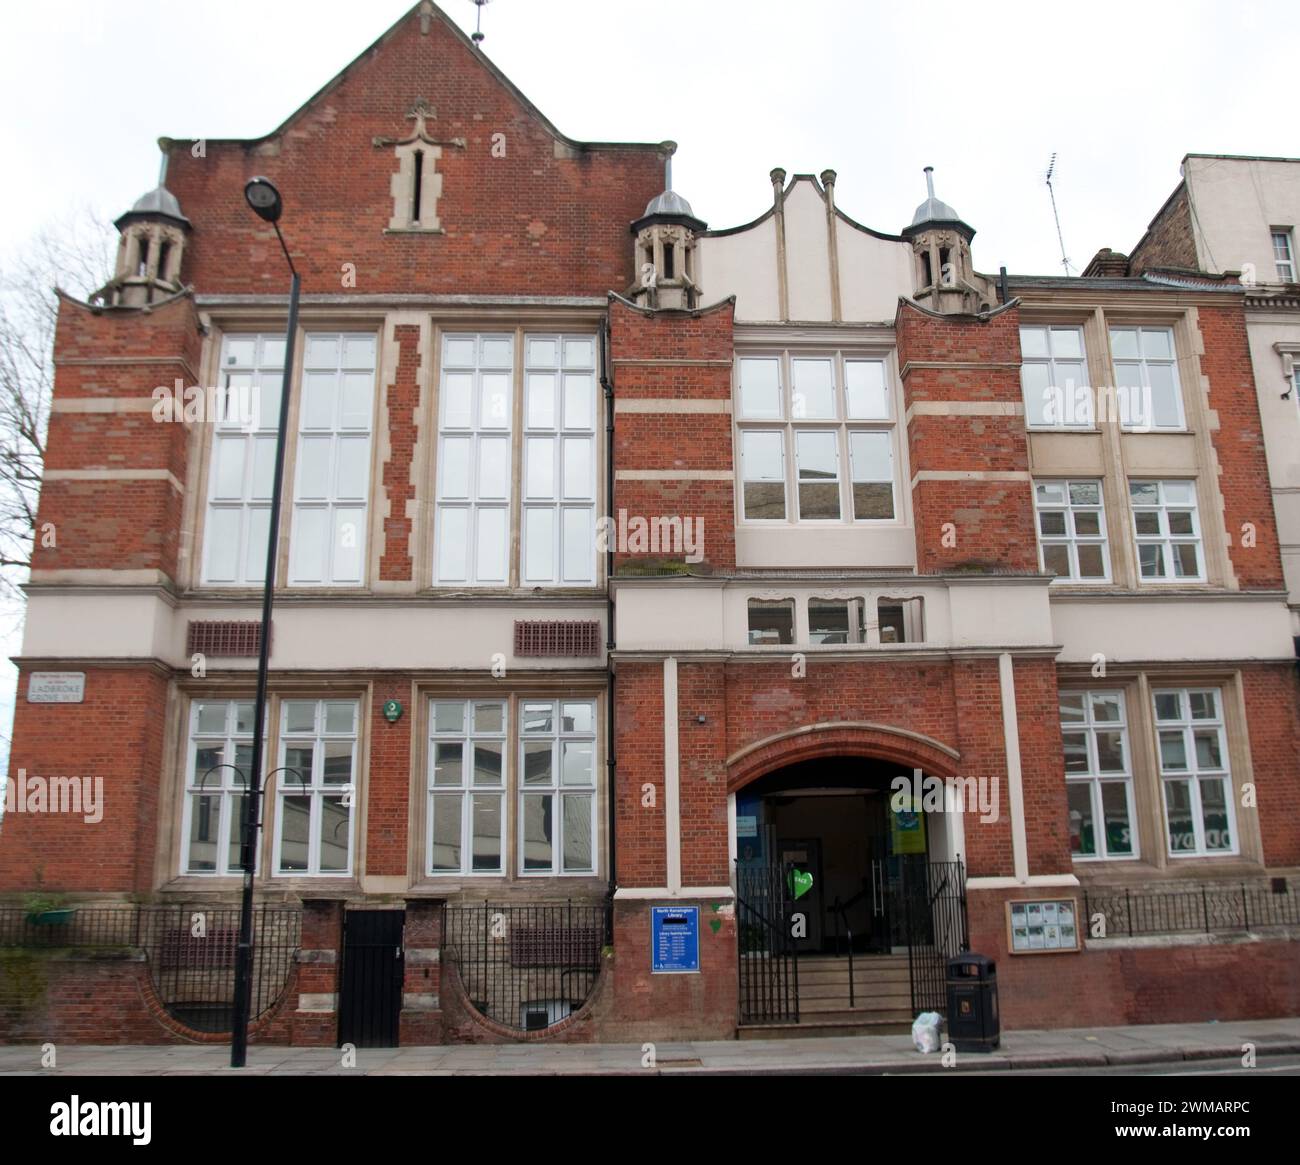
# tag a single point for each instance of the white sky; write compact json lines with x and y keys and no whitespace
{"x":985,"y":92}
{"x":875,"y":91}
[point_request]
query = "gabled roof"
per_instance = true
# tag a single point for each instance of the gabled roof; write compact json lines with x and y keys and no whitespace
{"x":433,"y":12}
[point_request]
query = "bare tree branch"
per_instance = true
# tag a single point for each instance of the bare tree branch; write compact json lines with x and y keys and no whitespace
{"x":76,"y":255}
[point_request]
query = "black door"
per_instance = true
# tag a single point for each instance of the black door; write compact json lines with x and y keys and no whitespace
{"x":370,"y":1000}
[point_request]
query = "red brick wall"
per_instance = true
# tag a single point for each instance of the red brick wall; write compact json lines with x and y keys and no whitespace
{"x":1239,"y":447}
{"x":677,"y":356}
{"x":1273,"y":723}
{"x":966,"y":524}
{"x":1169,"y":241}
{"x":1150,"y":984}
{"x":388,"y":800}
{"x":116,"y":735}
{"x":122,"y":524}
{"x":402,"y":399}
{"x":639,"y":735}
{"x":97,"y":997}
{"x":529,"y":221}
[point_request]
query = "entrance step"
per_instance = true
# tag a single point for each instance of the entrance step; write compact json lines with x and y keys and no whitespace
{"x":823,"y":1026}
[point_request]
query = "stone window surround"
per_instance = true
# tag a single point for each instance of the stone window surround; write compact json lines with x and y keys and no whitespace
{"x":433,"y":325}
{"x":514,"y":697}
{"x":837,"y":351}
{"x":170,"y":872}
{"x":1119,"y":450}
{"x":171,"y":853}
{"x":1138,"y":685}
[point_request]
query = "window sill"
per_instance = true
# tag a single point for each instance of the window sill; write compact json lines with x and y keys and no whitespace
{"x":415,"y":230}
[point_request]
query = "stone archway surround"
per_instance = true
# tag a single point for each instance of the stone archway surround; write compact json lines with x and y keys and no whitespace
{"x":911,"y":750}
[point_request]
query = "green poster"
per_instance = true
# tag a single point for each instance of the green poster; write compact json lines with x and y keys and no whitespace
{"x":907,"y":829}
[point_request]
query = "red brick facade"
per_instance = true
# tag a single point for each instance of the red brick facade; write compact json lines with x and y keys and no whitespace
{"x":535,"y":236}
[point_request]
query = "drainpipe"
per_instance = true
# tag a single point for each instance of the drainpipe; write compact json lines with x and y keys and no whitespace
{"x":611,"y":763}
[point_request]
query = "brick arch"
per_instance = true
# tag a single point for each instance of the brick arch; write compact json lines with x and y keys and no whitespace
{"x":912,"y":750}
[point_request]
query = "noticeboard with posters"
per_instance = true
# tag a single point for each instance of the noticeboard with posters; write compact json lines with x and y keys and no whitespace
{"x":1042,"y":926}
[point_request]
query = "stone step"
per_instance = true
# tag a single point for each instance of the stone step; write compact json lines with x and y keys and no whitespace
{"x":854,"y":1025}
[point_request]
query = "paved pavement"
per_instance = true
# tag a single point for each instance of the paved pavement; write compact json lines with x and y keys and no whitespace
{"x":1083,"y":1050}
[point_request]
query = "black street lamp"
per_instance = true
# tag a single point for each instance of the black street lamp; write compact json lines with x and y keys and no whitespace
{"x":266,"y":203}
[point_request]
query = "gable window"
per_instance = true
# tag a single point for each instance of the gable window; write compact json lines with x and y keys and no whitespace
{"x":467,"y":750}
{"x":1283,"y":255}
{"x":243,"y":460}
{"x":1072,"y":530}
{"x":218,"y":758}
{"x":557,"y":787}
{"x":1146,"y":375}
{"x":315,"y":784}
{"x":332,"y":473}
{"x":1098,"y":775}
{"x":816,"y":438}
{"x":1167,"y":530}
{"x":479,"y":448}
{"x":1194,"y":772}
{"x":1052,"y":370}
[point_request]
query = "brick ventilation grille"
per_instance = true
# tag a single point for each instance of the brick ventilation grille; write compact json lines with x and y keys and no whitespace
{"x":216,"y":949}
{"x":551,"y":637}
{"x":554,"y":946}
{"x":213,"y":637}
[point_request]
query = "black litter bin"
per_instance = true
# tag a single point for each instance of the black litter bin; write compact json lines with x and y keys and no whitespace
{"x":973,"y":1003}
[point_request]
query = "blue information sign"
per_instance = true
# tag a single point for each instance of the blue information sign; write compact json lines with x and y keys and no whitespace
{"x":674,"y":940}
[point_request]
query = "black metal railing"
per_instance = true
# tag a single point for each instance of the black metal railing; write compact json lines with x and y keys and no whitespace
{"x":190,"y":950}
{"x":97,"y":927}
{"x":1208,"y":908}
{"x":767,"y":958}
{"x":527,"y":966}
{"x":934,"y":909}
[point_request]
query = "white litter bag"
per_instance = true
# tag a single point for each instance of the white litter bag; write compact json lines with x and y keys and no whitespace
{"x":925,"y":1031}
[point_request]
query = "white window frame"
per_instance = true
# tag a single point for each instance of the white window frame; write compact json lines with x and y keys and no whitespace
{"x":1283,"y":257}
{"x":571,"y":501}
{"x":220,"y":783}
{"x":1071,"y":539}
{"x":345,"y":514}
{"x":249,"y":408}
{"x":466,"y":791}
{"x":1095,"y":777}
{"x":1194,"y":774}
{"x":1144,"y":364}
{"x":1069,"y":391}
{"x":1165,"y":539}
{"x":475,"y":435}
{"x":291,"y":785}
{"x":556,"y":788}
{"x":791,"y":419}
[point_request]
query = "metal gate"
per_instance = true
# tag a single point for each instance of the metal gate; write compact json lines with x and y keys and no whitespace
{"x":768,"y":959}
{"x":370,"y":995}
{"x":934,"y":915}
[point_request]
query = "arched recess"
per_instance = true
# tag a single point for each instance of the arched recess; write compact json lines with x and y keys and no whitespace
{"x":910,"y":750}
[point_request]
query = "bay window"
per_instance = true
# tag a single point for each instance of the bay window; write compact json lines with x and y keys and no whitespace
{"x":815,"y":437}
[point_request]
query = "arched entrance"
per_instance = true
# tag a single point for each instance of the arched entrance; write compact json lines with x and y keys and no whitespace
{"x":848,"y":874}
